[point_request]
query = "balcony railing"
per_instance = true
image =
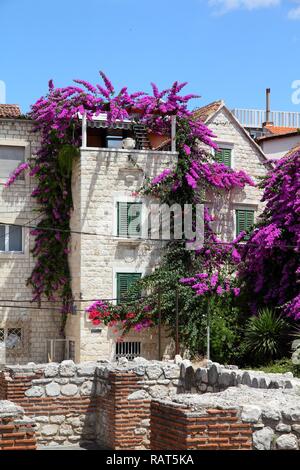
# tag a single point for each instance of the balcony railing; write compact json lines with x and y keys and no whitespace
{"x":256,"y":118}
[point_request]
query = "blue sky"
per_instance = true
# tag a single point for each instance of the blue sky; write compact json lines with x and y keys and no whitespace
{"x":229,"y":49}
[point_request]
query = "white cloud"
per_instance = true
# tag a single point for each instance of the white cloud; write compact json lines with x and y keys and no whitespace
{"x":294,"y":13}
{"x":224,"y":6}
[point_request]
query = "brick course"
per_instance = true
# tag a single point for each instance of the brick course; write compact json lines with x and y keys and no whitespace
{"x":177,"y":428}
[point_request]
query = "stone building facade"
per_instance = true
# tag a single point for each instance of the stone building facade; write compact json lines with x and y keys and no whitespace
{"x":103,"y":178}
{"x":24,"y":327}
{"x":236,"y":210}
{"x":103,"y":257}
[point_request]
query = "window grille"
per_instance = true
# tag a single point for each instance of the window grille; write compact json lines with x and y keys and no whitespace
{"x":14,"y":338}
{"x":128,"y":349}
{"x":2,"y":335}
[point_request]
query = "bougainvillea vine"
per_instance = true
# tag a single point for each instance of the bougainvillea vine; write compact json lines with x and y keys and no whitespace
{"x":57,"y":121}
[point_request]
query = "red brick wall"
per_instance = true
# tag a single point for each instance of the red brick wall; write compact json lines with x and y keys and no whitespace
{"x":14,"y":436}
{"x":178,"y":428}
{"x":119,"y":424}
{"x":124,"y":416}
{"x":14,"y":388}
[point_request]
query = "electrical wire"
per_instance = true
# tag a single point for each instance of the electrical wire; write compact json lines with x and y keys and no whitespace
{"x":77,"y":232}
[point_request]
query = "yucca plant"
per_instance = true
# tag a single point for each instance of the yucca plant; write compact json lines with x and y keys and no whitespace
{"x":266,"y":336}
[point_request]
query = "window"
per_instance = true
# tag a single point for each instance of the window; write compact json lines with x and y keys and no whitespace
{"x":129,"y":219}
{"x":244,"y":220}
{"x":223,"y":156}
{"x":14,"y":338}
{"x":128,"y":349}
{"x":114,"y":141}
{"x":125,"y":281}
{"x":10,"y":158}
{"x":11,"y":238}
{"x":11,"y":338}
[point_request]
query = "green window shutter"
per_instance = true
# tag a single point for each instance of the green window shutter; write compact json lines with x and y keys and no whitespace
{"x":122,"y":219}
{"x":129,"y":219}
{"x":244,"y":221}
{"x":124,"y":282}
{"x":134,"y":219}
{"x":223,"y":156}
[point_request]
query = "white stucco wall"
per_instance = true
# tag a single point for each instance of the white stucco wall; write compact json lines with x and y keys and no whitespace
{"x":276,"y":148}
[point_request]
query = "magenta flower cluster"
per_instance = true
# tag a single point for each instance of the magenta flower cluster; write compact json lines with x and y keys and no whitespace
{"x":17,"y":172}
{"x":271,"y":260}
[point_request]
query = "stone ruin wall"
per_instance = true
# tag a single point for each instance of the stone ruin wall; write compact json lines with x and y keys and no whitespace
{"x":124,"y":405}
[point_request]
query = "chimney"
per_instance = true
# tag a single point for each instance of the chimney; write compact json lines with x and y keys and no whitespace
{"x":268,"y":110}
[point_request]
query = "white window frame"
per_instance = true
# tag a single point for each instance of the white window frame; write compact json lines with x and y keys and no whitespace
{"x":17,"y":143}
{"x":6,"y":240}
{"x":227,"y":146}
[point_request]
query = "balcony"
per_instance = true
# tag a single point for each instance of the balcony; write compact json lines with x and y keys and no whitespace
{"x":254,"y":118}
{"x":126,"y":134}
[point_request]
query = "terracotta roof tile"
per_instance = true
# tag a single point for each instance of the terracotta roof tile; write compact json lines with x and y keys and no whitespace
{"x":206,"y":111}
{"x":292,"y":151}
{"x":9,"y":111}
{"x":276,"y":130}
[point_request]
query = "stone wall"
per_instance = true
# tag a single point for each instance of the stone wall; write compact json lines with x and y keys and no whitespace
{"x":237,"y":418}
{"x":60,"y":397}
{"x":109,"y":404}
{"x":17,"y":432}
{"x":16,"y":206}
{"x":176,"y":426}
{"x":216,"y":378}
{"x":246,"y":156}
{"x":90,"y":402}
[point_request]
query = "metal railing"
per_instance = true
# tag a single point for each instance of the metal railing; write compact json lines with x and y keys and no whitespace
{"x":128,"y":349}
{"x":256,"y":118}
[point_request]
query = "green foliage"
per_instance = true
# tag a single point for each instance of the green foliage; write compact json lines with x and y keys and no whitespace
{"x":163,"y":282}
{"x":225,"y":331}
{"x":266,"y":337}
{"x":65,"y":159}
{"x":281,"y":366}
